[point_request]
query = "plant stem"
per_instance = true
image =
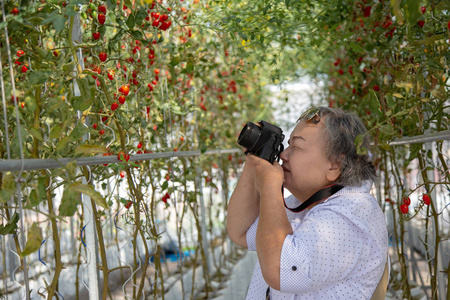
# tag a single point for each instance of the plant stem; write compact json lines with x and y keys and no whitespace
{"x":434,"y":215}
{"x":154,"y":233}
{"x":79,"y":260}
{"x":36,"y":124}
{"x":400,"y":248}
{"x":57,"y":252}
{"x":101,"y":241}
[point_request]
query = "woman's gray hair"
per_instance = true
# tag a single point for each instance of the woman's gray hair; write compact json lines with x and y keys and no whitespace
{"x":341,"y":129}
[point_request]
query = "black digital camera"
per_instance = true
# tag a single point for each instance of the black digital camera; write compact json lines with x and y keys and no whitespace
{"x":264,"y":141}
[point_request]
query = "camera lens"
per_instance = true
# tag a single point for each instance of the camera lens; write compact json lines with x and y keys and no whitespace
{"x":249,"y":135}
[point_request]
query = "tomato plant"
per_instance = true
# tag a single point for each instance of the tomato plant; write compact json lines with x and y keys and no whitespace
{"x":109,"y":78}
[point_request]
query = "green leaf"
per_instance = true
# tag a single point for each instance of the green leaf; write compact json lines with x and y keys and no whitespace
{"x":243,"y":36}
{"x":78,"y":132}
{"x":414,"y":150}
{"x":429,"y":40}
{"x":57,"y":20}
{"x":15,"y":145}
{"x":62,"y":144}
{"x":130,"y":21}
{"x":69,"y":67}
{"x":117,"y":37}
{"x":33,"y":198}
{"x":8,"y":187}
{"x":42,"y":192}
{"x":36,"y":20}
{"x":72,"y":168}
{"x":91,"y":192}
{"x":36,"y":134}
{"x":137,"y":34}
{"x":38,"y":77}
{"x":175,"y":61}
{"x":11,"y":226}
{"x":433,"y":64}
{"x":358,"y":143}
{"x":442,"y":6}
{"x":374,"y":103}
{"x":165,"y":185}
{"x":34,"y":240}
{"x":84,"y":101}
{"x":69,"y":201}
{"x":387,"y":129}
{"x":357,"y":48}
{"x":203,"y":148}
{"x":140,"y":16}
{"x":55,"y":132}
{"x":134,"y":164}
{"x":189,"y":67}
{"x":59,"y":23}
{"x":30,"y":103}
{"x":90,"y":149}
{"x":390,"y":101}
{"x":111,"y":4}
{"x":127,"y":3}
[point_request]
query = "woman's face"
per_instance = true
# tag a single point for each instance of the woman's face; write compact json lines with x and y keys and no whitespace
{"x":306,"y":166}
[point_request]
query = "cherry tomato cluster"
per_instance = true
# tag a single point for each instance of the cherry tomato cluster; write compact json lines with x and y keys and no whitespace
{"x":165,"y":197}
{"x":122,"y":156}
{"x":404,"y":207}
{"x":128,"y":204}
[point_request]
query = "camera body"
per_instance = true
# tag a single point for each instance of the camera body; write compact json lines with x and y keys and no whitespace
{"x":264,"y":141}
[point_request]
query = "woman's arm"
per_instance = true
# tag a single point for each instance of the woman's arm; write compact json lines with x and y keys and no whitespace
{"x":243,"y":208}
{"x":273,"y":225}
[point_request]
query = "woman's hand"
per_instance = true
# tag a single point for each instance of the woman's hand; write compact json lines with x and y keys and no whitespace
{"x":267,"y":176}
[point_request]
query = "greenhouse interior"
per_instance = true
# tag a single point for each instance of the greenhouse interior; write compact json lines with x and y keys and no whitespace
{"x":119,"y":136}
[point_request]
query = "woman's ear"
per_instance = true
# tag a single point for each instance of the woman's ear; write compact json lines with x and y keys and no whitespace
{"x":334,"y":172}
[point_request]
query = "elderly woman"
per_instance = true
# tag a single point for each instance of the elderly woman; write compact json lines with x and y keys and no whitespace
{"x":328,"y":240}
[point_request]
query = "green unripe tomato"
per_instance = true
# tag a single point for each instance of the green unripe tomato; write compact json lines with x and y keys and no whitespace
{"x":94,"y":14}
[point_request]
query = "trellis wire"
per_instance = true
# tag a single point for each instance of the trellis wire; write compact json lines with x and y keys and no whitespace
{"x":19,"y":135}
{"x":4,"y":240}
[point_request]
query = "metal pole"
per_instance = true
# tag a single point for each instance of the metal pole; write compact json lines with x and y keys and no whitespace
{"x":89,"y":230}
{"x":203,"y":216}
{"x":427,"y":137}
{"x":91,"y":247}
{"x":55,"y":163}
{"x":5,"y":274}
{"x":441,"y":270}
{"x":434,"y":229}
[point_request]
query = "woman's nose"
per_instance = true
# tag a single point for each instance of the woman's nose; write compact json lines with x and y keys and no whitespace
{"x":283,"y":155}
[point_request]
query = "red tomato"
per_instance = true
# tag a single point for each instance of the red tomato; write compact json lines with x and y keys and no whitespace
{"x":101,"y":19}
{"x":102,"y":56}
{"x":102,"y":9}
{"x":406,"y":201}
{"x":128,"y":204}
{"x":404,"y":209}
